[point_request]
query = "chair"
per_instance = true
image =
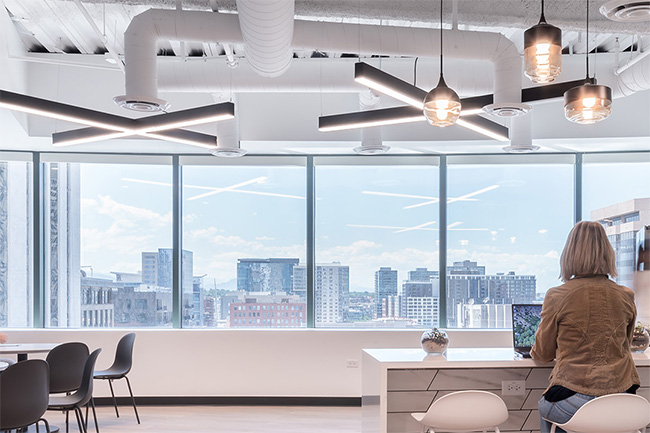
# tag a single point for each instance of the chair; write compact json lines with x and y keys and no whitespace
{"x":464,"y":411}
{"x":24,"y":390}
{"x":6,"y":362}
{"x":612,"y":413}
{"x":120,"y":368}
{"x":81,"y":397}
{"x":67,"y":363}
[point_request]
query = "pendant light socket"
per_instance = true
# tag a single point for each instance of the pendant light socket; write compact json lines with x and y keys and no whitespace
{"x":442,"y":105}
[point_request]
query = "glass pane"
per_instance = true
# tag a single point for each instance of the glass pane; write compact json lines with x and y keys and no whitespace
{"x":618,"y":196}
{"x":507,"y":225}
{"x":108,"y":225}
{"x":245,"y":227}
{"x":377,"y":246}
{"x":16,"y":228}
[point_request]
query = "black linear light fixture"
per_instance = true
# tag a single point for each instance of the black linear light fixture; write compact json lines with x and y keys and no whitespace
{"x":104,"y":126}
{"x":589,"y":102}
{"x":542,"y":51}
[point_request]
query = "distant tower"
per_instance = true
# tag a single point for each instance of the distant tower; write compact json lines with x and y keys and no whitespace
{"x":385,"y":287}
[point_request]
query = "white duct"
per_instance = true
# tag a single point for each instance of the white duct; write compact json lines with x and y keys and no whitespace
{"x":371,"y":143}
{"x":147,"y":28}
{"x":267,"y":29}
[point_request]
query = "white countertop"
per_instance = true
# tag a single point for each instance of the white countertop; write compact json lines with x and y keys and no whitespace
{"x":496,"y":357}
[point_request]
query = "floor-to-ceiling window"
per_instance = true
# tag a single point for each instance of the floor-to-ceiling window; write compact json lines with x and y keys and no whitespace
{"x":616,"y":192}
{"x":107,"y":241}
{"x":508,"y":217}
{"x":244,"y":228}
{"x":16,"y":246}
{"x":377,"y":225}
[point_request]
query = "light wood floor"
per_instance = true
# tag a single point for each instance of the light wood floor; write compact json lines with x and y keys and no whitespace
{"x":226,"y":419}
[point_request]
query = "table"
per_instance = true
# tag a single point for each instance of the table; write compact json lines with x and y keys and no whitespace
{"x":22,"y":350}
{"x":396,"y":382}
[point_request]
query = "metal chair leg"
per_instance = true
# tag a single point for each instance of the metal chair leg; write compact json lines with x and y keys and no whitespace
{"x":79,"y":415}
{"x":47,"y":424}
{"x":92,"y":402}
{"x":110,"y":384}
{"x":132,"y":399}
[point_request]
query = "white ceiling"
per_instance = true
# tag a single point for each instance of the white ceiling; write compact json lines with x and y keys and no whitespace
{"x":61,"y":57}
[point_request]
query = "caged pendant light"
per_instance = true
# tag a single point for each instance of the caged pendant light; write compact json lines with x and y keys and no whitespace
{"x":442,"y":105}
{"x":590,"y":102}
{"x":542,"y":51}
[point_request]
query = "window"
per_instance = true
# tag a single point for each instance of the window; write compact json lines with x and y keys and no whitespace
{"x":16,"y":227}
{"x":616,"y":192}
{"x":376,"y":242}
{"x":104,"y":221}
{"x":508,"y":218}
{"x":245,"y":227}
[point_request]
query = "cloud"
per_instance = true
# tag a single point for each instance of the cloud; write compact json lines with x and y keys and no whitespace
{"x":264,"y":238}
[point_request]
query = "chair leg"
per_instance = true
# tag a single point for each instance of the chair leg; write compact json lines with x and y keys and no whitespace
{"x":67,"y":423}
{"x":110,"y":384}
{"x":47,"y":425}
{"x":79,"y":415}
{"x":92,"y":402}
{"x":132,"y":399}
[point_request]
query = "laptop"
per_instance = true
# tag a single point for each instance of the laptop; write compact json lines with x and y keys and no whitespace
{"x":525,"y":320}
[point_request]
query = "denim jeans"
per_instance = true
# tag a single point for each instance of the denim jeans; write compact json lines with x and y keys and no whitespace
{"x":560,"y":411}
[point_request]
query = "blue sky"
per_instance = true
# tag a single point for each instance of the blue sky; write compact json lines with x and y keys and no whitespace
{"x":367,"y":217}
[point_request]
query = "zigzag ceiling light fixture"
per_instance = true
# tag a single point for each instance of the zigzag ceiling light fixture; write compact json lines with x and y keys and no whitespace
{"x":105,"y":126}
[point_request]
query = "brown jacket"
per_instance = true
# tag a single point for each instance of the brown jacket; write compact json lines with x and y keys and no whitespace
{"x":587,"y":325}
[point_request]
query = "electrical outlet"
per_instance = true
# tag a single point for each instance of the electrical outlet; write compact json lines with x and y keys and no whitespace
{"x":352,"y":363}
{"x":513,"y":387}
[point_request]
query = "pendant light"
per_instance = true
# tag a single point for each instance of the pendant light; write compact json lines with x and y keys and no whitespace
{"x":589,"y":103}
{"x":442,"y":104}
{"x":542,"y":51}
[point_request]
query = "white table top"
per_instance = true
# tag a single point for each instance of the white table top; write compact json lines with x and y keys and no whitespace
{"x":7,"y":349}
{"x":493,"y":357}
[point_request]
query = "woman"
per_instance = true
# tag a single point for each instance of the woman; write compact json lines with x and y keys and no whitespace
{"x":587,"y":325}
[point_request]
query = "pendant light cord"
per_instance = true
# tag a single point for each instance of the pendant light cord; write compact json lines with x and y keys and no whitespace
{"x":587,"y":54}
{"x":441,"y":38}
{"x":542,"y":18}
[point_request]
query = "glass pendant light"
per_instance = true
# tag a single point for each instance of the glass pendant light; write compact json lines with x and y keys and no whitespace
{"x":442,"y":104}
{"x":591,"y":102}
{"x":542,"y":51}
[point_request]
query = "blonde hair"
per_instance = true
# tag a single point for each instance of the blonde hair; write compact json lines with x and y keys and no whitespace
{"x":587,"y":252}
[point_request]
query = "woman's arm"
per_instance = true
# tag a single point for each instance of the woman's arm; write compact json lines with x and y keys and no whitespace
{"x":546,"y":337}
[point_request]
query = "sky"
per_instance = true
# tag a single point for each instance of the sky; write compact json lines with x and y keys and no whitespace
{"x":505,"y":217}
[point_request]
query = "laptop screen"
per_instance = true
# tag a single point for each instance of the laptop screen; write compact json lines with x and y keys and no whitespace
{"x":525,"y":320}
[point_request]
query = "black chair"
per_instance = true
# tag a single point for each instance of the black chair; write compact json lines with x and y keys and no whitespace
{"x":120,"y":368}
{"x":24,"y":392}
{"x":81,"y":397}
{"x":67,"y":362}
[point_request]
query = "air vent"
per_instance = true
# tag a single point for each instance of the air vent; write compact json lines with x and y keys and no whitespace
{"x":521,"y":149}
{"x":627,"y":11}
{"x":371,"y":149}
{"x":143,"y":105}
{"x":228,"y":152}
{"x":508,"y":109}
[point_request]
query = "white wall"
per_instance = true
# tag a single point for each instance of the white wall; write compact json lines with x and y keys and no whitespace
{"x":285,"y":363}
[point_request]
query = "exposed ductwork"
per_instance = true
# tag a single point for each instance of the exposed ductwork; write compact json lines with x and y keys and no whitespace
{"x":267,"y":29}
{"x":371,"y":143}
{"x":153,"y":25}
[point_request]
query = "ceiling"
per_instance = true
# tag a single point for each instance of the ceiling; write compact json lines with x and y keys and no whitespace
{"x":55,"y":34}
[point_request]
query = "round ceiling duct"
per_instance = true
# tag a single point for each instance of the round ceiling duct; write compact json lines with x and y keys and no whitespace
{"x":143,"y":105}
{"x":371,"y":149}
{"x":229,"y":152}
{"x":627,"y":11}
{"x":521,"y":149}
{"x":508,"y":109}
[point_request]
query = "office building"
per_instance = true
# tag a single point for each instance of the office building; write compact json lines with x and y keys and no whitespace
{"x":385,"y":287}
{"x":622,"y":221}
{"x":97,"y":294}
{"x":264,"y":310}
{"x":483,"y":316}
{"x":331,"y":292}
{"x":265,"y":275}
{"x":157,"y":268}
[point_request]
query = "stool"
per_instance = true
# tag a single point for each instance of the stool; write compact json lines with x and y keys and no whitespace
{"x":464,"y":411}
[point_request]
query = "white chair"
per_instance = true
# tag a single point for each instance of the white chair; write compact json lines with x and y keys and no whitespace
{"x":612,"y":413}
{"x":464,"y":411}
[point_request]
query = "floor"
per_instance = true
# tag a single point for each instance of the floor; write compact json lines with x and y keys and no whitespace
{"x":230,"y":419}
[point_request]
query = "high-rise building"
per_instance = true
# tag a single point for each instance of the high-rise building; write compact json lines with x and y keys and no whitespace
{"x":385,"y":286}
{"x":157,"y":269}
{"x":196,"y":315}
{"x":622,"y":221}
{"x":97,"y":294}
{"x":331,"y":292}
{"x":419,"y":302}
{"x":483,"y":316}
{"x":143,"y":306}
{"x":15,"y":247}
{"x":423,"y":274}
{"x":271,"y":275}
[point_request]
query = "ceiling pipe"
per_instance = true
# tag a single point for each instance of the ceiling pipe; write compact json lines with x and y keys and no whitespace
{"x":147,"y":28}
{"x":267,"y":29}
{"x":371,"y":142}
